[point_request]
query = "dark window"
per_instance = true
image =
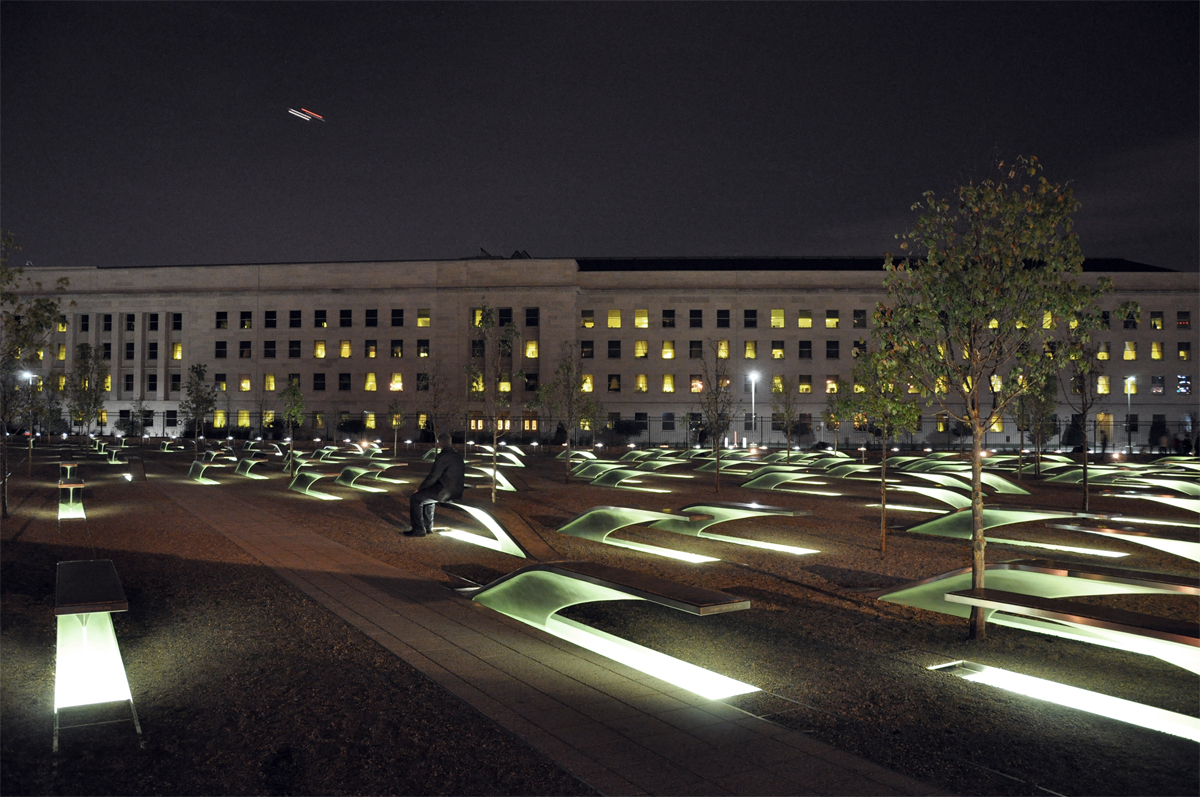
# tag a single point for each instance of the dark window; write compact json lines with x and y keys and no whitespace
{"x":371,"y":349}
{"x":1131,"y":321}
{"x":294,"y":348}
{"x":294,"y":319}
{"x":722,"y":319}
{"x":695,"y":319}
{"x":176,"y":322}
{"x":343,"y":381}
{"x":173,"y":416}
{"x":614,"y":350}
{"x":129,"y":350}
{"x":220,"y":381}
{"x":247,"y":320}
{"x":84,"y":323}
{"x":531,"y":383}
{"x":860,"y":348}
{"x":832,"y":350}
{"x":151,"y":383}
{"x":175,"y":382}
{"x":346,"y":318}
{"x":587,"y":349}
{"x":269,"y":319}
{"x":1183,"y":319}
{"x":152,"y":350}
{"x":318,"y":381}
{"x":106,"y":351}
{"x":372,"y":319}
{"x":1131,"y":421}
{"x":107,"y":322}
{"x":860,"y":319}
{"x":130,"y":322}
{"x":268,"y":350}
{"x":748,"y":422}
{"x":477,"y":348}
{"x":533,"y":316}
{"x":1157,"y":385}
{"x":152,"y":322}
{"x":244,"y":350}
{"x":397,"y":348}
{"x":222,"y":319}
{"x":422,"y":347}
{"x":504,"y":317}
{"x":695,"y":349}
{"x":642,"y":420}
{"x":319,"y":319}
{"x":423,"y":382}
{"x":293,"y":379}
{"x":128,"y":384}
{"x":750,"y":319}
{"x":1105,"y":319}
{"x":505,"y":347}
{"x":614,"y":383}
{"x":397,"y":318}
{"x":668,"y":319}
{"x":668,"y":421}
{"x":221,"y":350}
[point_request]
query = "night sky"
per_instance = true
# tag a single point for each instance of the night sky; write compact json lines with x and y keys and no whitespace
{"x":158,"y":134}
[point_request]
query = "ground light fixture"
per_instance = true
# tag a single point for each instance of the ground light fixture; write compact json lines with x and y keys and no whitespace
{"x":1155,"y":719}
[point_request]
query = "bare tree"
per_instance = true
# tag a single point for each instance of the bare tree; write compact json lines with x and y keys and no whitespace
{"x":785,"y":405}
{"x":564,"y":399}
{"x":489,"y":371}
{"x":716,"y":399}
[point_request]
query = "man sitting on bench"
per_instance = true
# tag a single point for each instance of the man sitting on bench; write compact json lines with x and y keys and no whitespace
{"x":444,"y":483}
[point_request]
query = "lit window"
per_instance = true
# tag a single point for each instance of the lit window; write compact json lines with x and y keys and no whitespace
{"x":831,"y":384}
{"x":1156,"y":350}
{"x":476,"y":383}
{"x":370,"y":349}
{"x":587,"y":319}
{"x":585,"y":424}
{"x":614,"y":319}
{"x":941,"y":385}
{"x":1156,"y":319}
{"x":1183,"y":384}
{"x":1185,"y":351}
{"x":1102,"y":386}
{"x":777,"y":383}
{"x":777,"y":350}
{"x":397,"y":348}
{"x":41,"y":354}
{"x":369,"y":420}
{"x":668,"y":385}
{"x":244,"y":383}
{"x":268,"y":417}
{"x":1130,"y":350}
{"x":531,"y":349}
{"x":697,"y":383}
{"x":804,"y":319}
{"x":423,"y":317}
{"x":344,"y":350}
{"x":1131,"y":385}
{"x":859,"y":388}
{"x":641,"y":348}
{"x":1103,"y":350}
{"x":529,"y":422}
{"x":997,"y":425}
{"x":243,"y":418}
{"x":62,"y":382}
{"x":668,"y":350}
{"x":62,"y":324}
{"x":588,"y":384}
{"x":1158,"y":385}
{"x":62,"y":351}
{"x":422,"y":347}
{"x":641,"y":319}
{"x":776,"y":319}
{"x":397,"y":383}
{"x":997,"y":383}
{"x":831,"y":319}
{"x":102,"y":417}
{"x":641,"y":384}
{"x":722,"y":350}
{"x":1047,"y":320}
{"x":319,"y":349}
{"x":219,"y":419}
{"x":269,"y":382}
{"x":993,"y":324}
{"x":108,"y":384}
{"x":804,"y":383}
{"x":614,"y":383}
{"x":505,"y":385}
{"x":914,"y":389}
{"x":176,"y":351}
{"x":369,"y":381}
{"x":751,"y":350}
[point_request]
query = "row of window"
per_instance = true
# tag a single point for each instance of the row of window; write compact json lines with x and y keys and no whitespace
{"x":130,"y":321}
{"x":345,"y":349}
{"x":775,"y":318}
{"x":1183,"y":350}
{"x":320,"y":318}
{"x":641,"y":349}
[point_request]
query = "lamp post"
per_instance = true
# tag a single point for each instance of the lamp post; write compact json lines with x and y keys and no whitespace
{"x":1129,"y":381}
{"x":753,"y":384}
{"x":29,"y":377}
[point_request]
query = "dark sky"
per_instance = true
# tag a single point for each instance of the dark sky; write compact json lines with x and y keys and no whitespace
{"x":158,"y":134}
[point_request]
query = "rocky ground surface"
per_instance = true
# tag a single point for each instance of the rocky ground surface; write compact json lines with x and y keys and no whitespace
{"x":244,"y":686}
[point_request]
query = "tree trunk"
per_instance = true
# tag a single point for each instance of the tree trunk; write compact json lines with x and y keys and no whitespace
{"x":1020,"y":452}
{"x":789,"y":445}
{"x":4,"y":473}
{"x":1085,"y":463}
{"x":883,"y":500}
{"x":978,"y":627}
{"x":495,"y":445}
{"x":717,"y":449}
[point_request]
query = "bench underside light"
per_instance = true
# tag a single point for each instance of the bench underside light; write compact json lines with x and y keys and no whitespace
{"x":1143,"y":716}
{"x":598,"y":524}
{"x":721,"y":514}
{"x":535,"y":596}
{"x":88,"y":669}
{"x":957,"y":525}
{"x":502,"y":542}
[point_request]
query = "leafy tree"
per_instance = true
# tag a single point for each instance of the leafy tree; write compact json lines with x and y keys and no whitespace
{"x":27,"y":317}
{"x":562,"y":397}
{"x":199,"y":399}
{"x":490,"y":377}
{"x":986,"y":277}
{"x":716,"y":399}
{"x":884,"y":406}
{"x":1035,"y":411}
{"x":85,"y":386}
{"x":785,"y":406}
{"x":135,"y":425}
{"x":839,"y":409}
{"x":293,"y":415}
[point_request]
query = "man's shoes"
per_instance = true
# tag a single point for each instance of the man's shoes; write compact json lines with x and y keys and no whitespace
{"x":415,"y":533}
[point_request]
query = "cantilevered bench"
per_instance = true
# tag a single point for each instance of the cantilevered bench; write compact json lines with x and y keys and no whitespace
{"x":352,"y":473}
{"x":196,"y":472}
{"x":304,"y":480}
{"x":599,"y":522}
{"x":1178,"y":541}
{"x":501,"y":540}
{"x":699,"y":517}
{"x":246,"y":465}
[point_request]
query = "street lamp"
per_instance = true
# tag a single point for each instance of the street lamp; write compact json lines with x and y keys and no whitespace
{"x":1129,"y":381}
{"x":753,"y":384}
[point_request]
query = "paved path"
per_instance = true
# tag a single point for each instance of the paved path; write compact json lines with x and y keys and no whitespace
{"x":619,"y":730}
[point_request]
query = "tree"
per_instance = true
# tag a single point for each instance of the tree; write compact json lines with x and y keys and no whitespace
{"x":442,"y":403}
{"x":839,"y":408}
{"x":562,"y":397}
{"x":986,"y":276}
{"x":785,"y":406}
{"x":1035,"y":412}
{"x":293,"y":415}
{"x":716,"y":399}
{"x":884,"y":407}
{"x":85,"y":386}
{"x":199,"y":399}
{"x":135,"y":426}
{"x":27,"y":317}
{"x":489,"y":372}
{"x":395,"y":410}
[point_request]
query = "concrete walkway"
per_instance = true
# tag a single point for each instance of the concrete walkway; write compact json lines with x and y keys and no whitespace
{"x":616,"y":729}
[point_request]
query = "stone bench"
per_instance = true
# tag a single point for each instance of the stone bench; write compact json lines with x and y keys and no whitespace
{"x":352,"y":473}
{"x":246,"y":465}
{"x":304,"y":480}
{"x":199,"y":467}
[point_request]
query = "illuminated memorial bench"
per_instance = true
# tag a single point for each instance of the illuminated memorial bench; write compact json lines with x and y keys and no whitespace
{"x":597,"y":523}
{"x":379,"y":469}
{"x":957,"y":525}
{"x":590,"y":469}
{"x":114,"y":457}
{"x":67,"y":470}
{"x":535,"y":594}
{"x":246,"y":465}
{"x":88,"y":669}
{"x":304,"y":480}
{"x":501,"y":540}
{"x":351,"y":474}
{"x":199,"y":467}
{"x":70,"y":499}
{"x":1178,"y":541}
{"x":627,"y":478}
{"x":703,"y":516}
{"x":485,"y":472}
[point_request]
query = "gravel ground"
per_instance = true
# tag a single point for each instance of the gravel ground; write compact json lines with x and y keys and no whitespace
{"x":244,"y":686}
